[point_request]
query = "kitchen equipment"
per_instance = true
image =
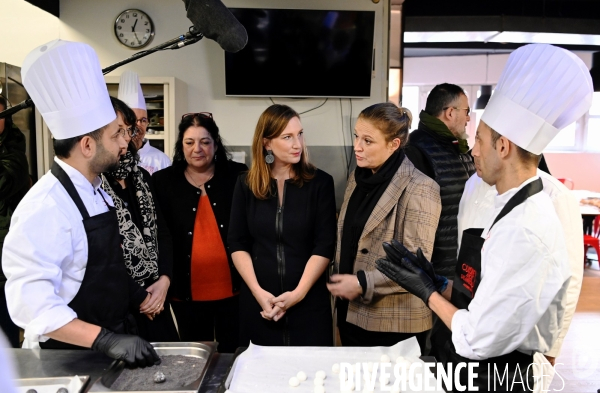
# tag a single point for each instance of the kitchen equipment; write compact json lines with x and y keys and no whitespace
{"x":42,"y":385}
{"x":203,"y":350}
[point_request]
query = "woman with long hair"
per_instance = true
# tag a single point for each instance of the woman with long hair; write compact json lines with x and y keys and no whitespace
{"x":386,"y":198}
{"x":145,"y":238}
{"x":282,"y":237}
{"x":195,"y":194}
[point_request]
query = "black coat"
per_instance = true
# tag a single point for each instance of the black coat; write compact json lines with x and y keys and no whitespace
{"x":178,"y":200}
{"x":307,"y":227}
{"x":439,"y":158}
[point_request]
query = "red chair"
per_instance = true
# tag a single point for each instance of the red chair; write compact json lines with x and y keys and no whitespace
{"x":567,"y":182}
{"x":592,"y":241}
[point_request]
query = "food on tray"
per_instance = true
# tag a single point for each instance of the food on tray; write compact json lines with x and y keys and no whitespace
{"x":335,"y":368}
{"x":159,"y":377}
{"x":385,"y":359}
{"x":31,"y":391}
{"x":319,"y":389}
{"x":321,"y":374}
{"x":294,"y":382}
{"x":177,"y":370}
{"x":301,"y":376}
{"x":62,"y":390}
{"x":319,"y":382}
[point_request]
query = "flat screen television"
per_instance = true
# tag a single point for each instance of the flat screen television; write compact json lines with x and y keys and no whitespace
{"x":302,"y":53}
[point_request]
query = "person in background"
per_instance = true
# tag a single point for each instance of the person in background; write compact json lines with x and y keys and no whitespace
{"x":282,"y":237}
{"x":14,"y":183}
{"x":439,"y":149}
{"x":195,"y":195}
{"x":386,"y":198}
{"x":67,"y":285}
{"x":130,"y":92}
{"x":145,"y":238}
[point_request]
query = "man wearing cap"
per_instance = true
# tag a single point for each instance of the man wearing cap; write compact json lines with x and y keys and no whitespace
{"x":509,"y":293}
{"x":477,"y":207}
{"x":67,"y":283}
{"x":130,"y":92}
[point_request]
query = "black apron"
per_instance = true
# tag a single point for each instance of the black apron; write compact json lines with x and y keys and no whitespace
{"x":466,"y":281}
{"x":103,"y":298}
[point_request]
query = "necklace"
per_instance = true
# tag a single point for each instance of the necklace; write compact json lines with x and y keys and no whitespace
{"x":196,"y":184}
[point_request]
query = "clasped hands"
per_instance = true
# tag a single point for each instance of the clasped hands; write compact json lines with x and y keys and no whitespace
{"x":155,"y":300}
{"x":274,"y":308}
{"x":413,"y":273}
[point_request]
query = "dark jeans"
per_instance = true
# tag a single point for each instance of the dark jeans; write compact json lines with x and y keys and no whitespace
{"x":216,"y":320}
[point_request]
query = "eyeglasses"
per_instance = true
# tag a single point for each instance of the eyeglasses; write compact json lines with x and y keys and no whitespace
{"x":131,"y":132}
{"x":464,"y":109}
{"x":206,"y":115}
{"x":143,"y":121}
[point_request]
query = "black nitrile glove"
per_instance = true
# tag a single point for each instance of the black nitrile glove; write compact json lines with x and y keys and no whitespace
{"x":399,"y":251}
{"x":408,"y":275}
{"x":133,"y":350}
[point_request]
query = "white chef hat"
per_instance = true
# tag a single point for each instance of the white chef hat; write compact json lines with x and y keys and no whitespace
{"x":542,"y":89}
{"x":65,"y":82}
{"x":130,"y":91}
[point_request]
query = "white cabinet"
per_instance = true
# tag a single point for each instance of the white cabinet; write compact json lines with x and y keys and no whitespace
{"x":166,"y":102}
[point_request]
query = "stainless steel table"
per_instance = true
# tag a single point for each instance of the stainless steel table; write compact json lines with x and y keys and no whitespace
{"x":41,"y":363}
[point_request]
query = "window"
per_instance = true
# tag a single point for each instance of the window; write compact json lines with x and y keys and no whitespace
{"x":593,"y":124}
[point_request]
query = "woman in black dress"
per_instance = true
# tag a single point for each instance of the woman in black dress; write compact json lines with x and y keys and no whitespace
{"x":145,"y":237}
{"x":282,"y":237}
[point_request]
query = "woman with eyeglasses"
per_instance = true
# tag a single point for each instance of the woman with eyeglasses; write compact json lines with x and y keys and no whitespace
{"x":282,"y":237}
{"x":145,"y":238}
{"x":195,"y":195}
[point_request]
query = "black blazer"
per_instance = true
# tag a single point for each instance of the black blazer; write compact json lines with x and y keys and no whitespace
{"x":178,"y":200}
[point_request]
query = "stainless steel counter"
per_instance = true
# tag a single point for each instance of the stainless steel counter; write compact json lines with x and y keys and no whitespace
{"x":40,"y":363}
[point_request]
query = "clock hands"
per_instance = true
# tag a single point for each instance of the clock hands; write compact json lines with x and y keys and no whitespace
{"x":136,"y":37}
{"x":133,"y":27}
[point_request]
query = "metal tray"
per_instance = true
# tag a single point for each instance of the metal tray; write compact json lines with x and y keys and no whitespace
{"x":33,"y":383}
{"x":203,"y":350}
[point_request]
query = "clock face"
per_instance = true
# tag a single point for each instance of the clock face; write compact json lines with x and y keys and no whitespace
{"x":134,"y":28}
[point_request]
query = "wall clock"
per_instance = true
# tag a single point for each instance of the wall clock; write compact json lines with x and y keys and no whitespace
{"x":134,"y":29}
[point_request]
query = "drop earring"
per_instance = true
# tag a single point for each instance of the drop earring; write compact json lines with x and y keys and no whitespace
{"x":269,"y":158}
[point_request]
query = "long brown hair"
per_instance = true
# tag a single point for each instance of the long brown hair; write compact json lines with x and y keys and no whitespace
{"x":270,"y":125}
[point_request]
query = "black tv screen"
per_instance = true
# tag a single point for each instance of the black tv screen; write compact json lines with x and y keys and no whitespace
{"x":302,"y":53}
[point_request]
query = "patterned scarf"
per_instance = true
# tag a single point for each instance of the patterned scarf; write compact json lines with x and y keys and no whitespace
{"x":139,"y":246}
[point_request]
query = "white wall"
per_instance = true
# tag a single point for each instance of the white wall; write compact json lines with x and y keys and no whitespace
{"x":461,"y":70}
{"x":201,"y":66}
{"x":23,"y":27}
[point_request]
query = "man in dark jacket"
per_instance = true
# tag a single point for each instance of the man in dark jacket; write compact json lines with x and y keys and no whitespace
{"x":438,"y":148}
{"x":14,"y":183}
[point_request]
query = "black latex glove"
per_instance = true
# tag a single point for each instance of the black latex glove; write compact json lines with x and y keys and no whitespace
{"x":406,"y":274}
{"x":398,"y":251}
{"x":133,"y":350}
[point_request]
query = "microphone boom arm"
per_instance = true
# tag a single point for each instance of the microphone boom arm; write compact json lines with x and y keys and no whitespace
{"x":191,"y":37}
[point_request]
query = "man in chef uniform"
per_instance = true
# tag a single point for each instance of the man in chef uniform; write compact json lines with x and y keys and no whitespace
{"x":477,"y":207}
{"x":67,"y":282}
{"x":130,"y":92}
{"x":508,"y":298}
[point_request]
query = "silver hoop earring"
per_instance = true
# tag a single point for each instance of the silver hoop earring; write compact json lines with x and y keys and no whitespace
{"x":269,"y":158}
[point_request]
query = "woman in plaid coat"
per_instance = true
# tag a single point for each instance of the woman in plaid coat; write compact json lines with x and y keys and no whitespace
{"x":386,"y":198}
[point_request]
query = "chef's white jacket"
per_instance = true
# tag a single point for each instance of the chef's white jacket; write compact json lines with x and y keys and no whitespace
{"x":477,"y":206}
{"x":525,"y":272}
{"x":45,"y":253}
{"x":152,"y":159}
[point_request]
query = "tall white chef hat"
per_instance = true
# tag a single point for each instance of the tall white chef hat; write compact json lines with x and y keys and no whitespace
{"x":65,"y":81}
{"x":130,"y":91}
{"x":542,"y":89}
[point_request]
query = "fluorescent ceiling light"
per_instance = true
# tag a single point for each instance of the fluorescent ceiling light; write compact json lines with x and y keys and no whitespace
{"x":504,"y":36}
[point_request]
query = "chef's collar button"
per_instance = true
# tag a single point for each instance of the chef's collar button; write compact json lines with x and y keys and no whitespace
{"x":208,"y":186}
{"x":194,"y":209}
{"x":198,"y":192}
{"x":190,"y":233}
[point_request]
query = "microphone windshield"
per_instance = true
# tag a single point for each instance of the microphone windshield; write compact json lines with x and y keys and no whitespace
{"x":216,"y":22}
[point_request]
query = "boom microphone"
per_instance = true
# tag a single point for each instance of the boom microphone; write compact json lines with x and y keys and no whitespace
{"x":216,"y":22}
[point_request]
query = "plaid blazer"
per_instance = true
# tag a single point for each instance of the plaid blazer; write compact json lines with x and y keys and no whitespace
{"x":408,"y":211}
